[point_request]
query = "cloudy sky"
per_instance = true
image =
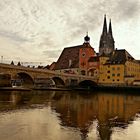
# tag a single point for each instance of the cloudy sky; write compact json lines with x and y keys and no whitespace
{"x":38,"y":30}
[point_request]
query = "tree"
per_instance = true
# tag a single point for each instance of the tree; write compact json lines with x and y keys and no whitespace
{"x":19,"y":64}
{"x":12,"y":63}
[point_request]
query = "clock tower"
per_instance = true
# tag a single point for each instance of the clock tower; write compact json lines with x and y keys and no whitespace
{"x":86,"y":51}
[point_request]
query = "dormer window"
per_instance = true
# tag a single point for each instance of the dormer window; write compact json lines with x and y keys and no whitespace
{"x":70,"y":62}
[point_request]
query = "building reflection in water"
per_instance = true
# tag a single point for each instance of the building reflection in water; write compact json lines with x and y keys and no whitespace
{"x":90,"y":113}
{"x":110,"y":110}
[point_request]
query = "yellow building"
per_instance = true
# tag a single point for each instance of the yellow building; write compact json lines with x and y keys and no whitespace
{"x":116,"y":67}
{"x":120,"y":68}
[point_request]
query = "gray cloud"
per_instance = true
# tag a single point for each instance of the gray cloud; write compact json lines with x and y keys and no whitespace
{"x":92,"y":16}
{"x":13,"y":36}
{"x":53,"y":24}
{"x":52,"y":53}
{"x":75,"y":16}
{"x":128,"y":9}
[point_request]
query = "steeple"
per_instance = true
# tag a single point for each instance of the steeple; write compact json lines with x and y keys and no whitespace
{"x":106,"y":45}
{"x":104,"y":26}
{"x":110,"y":35}
{"x":110,"y":28}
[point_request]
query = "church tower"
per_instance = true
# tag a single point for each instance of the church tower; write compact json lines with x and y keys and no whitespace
{"x":106,"y":45}
{"x":110,"y":38}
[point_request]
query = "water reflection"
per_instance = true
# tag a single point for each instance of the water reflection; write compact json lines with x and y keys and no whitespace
{"x":68,"y":115}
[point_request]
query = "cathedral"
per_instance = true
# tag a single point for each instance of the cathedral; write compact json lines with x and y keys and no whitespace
{"x":110,"y":66}
{"x":106,"y":45}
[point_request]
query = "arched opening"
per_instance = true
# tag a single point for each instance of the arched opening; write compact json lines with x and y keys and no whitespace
{"x":44,"y":82}
{"x":88,"y":84}
{"x":91,"y":72}
{"x":58,"y":82}
{"x":83,"y":72}
{"x":22,"y":79}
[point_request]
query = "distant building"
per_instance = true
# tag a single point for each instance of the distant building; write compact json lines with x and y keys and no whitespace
{"x":52,"y":66}
{"x":110,"y":66}
{"x":106,"y":45}
{"x":117,"y":67}
{"x":77,"y":59}
{"x":120,"y":68}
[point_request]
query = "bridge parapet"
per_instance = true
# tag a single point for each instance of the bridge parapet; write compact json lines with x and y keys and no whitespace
{"x":36,"y":73}
{"x":7,"y":66}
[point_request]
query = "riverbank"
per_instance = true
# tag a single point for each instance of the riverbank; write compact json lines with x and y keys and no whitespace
{"x":117,"y":88}
{"x":15,"y":88}
{"x":35,"y":88}
{"x":52,"y":88}
{"x":96,"y":88}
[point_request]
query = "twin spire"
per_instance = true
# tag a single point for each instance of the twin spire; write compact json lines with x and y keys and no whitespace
{"x":110,"y":27}
{"x":106,"y":45}
{"x":105,"y":27}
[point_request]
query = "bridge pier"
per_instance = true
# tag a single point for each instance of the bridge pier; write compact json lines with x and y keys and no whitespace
{"x":71,"y":82}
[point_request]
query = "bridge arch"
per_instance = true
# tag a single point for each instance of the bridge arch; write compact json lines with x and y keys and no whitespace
{"x":58,"y":82}
{"x":25,"y":79}
{"x":87,"y":84}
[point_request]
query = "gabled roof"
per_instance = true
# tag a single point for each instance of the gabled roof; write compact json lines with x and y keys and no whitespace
{"x":70,"y":53}
{"x":138,"y":61}
{"x":119,"y":57}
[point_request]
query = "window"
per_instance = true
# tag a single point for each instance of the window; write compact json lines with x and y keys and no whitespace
{"x":113,"y":74}
{"x":70,"y":62}
{"x":118,"y":68}
{"x":118,"y":74}
{"x":83,"y":64}
{"x":83,"y":54}
{"x":113,"y":68}
{"x":83,"y":72}
{"x":118,"y":80}
{"x":108,"y":71}
{"x":108,"y":77}
{"x":113,"y":80}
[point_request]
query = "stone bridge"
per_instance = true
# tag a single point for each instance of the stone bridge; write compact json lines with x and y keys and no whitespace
{"x":28,"y":75}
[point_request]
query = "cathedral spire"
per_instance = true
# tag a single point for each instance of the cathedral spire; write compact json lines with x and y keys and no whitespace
{"x":105,"y":26}
{"x":110,"y":28}
{"x":106,"y":45}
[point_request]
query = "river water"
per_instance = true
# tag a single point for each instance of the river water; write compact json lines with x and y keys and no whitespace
{"x":73,"y":115}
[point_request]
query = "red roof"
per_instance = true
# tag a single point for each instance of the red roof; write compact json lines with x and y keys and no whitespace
{"x":70,"y":53}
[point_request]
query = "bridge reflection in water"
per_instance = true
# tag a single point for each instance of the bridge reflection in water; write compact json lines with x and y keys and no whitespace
{"x":68,"y":115}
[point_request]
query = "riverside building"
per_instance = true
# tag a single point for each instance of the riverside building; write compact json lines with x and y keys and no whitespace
{"x":110,"y":66}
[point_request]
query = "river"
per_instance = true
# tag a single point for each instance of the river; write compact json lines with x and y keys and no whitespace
{"x":73,"y":115}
